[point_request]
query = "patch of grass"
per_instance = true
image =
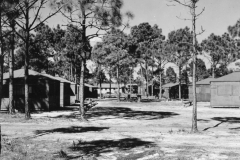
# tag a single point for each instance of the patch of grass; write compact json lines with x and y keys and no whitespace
{"x":182,"y":131}
{"x":25,"y":149}
{"x":62,"y":154}
{"x":189,"y":151}
{"x":231,"y":154}
{"x":135,"y":156}
{"x":170,"y":131}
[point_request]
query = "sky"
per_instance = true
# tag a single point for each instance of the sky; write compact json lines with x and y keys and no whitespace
{"x":218,"y":15}
{"x":216,"y":18}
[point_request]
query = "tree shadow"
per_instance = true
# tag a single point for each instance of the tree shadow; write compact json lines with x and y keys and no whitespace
{"x":203,"y":120}
{"x":224,"y":120}
{"x":127,"y":113}
{"x":213,"y":126}
{"x":237,"y":128}
{"x":120,"y":112}
{"x":73,"y":129}
{"x":73,"y":115}
{"x":104,"y":146}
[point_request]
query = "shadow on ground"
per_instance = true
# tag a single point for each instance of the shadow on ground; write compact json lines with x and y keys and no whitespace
{"x":121,"y":112}
{"x":227,"y":119}
{"x":224,"y":120}
{"x":127,"y":113}
{"x":203,"y":120}
{"x":73,"y":129}
{"x":104,"y":146}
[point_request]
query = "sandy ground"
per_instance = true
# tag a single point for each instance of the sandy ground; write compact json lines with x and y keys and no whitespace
{"x":156,"y":130}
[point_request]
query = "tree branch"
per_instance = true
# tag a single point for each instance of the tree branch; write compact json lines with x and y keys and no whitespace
{"x":38,"y":10}
{"x":183,"y":4}
{"x":49,"y":16}
{"x":201,"y":32}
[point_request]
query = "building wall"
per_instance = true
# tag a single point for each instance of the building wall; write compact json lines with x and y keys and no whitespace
{"x":5,"y":103}
{"x":44,"y":94}
{"x":105,"y":90}
{"x":54,"y":95}
{"x":38,"y":94}
{"x":90,"y":92}
{"x":225,"y":94}
{"x":69,"y":94}
{"x":173,"y":92}
{"x":155,"y":90}
{"x":73,"y":97}
{"x":203,"y":93}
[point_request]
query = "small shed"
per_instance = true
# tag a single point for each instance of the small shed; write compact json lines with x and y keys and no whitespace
{"x":171,"y":91}
{"x":203,"y":90}
{"x":225,"y":91}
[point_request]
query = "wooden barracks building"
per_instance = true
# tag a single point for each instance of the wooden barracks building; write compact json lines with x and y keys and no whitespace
{"x":46,"y":92}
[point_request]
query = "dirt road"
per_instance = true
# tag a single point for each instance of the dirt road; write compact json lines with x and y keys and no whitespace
{"x":157,"y":130}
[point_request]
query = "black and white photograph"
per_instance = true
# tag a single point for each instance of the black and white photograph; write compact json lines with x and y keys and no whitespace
{"x":119,"y":79}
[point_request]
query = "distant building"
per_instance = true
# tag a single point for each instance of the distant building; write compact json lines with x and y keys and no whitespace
{"x":155,"y":88}
{"x":134,"y":88}
{"x":106,"y":87}
{"x":203,"y":90}
{"x":90,"y":91}
{"x":225,"y":91}
{"x":46,"y":92}
{"x":171,"y":91}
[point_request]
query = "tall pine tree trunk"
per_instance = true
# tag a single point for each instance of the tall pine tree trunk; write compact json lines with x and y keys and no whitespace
{"x":75,"y":75}
{"x":84,"y":58}
{"x":100,"y":84}
{"x":152,"y":81}
{"x":130,"y":86}
{"x":75,"y":80}
{"x":110,"y":81}
{"x":141,"y":80}
{"x":186,"y":78}
{"x":71,"y":72}
{"x":194,"y":115}
{"x":213,"y":71}
{"x":75,"y":69}
{"x":81,"y":107}
{"x":131,"y":81}
{"x":11,"y":69}
{"x":1,"y":79}
{"x":146,"y":79}
{"x":26,"y":91}
{"x":118,"y":84}
{"x":160,"y":85}
{"x":1,"y":60}
{"x":26,"y":66}
{"x":180,"y":85}
{"x":100,"y":81}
